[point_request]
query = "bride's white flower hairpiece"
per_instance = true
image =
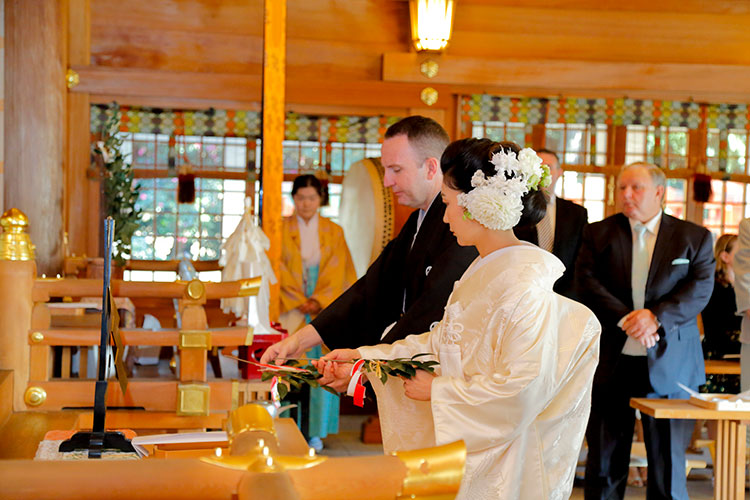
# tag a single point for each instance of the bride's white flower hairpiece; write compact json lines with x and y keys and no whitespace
{"x":496,"y":201}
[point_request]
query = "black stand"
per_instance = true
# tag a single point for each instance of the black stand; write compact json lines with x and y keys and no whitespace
{"x":98,"y":439}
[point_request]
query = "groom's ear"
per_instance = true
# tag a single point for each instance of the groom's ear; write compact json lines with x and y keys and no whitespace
{"x":433,"y":167}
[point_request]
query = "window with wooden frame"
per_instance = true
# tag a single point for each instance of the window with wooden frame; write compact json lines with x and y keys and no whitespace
{"x":580,"y":145}
{"x":728,"y":206}
{"x":727,"y":154}
{"x":502,"y":131}
{"x":577,"y":143}
{"x":666,"y":147}
{"x":727,"y":151}
{"x":170,"y":229}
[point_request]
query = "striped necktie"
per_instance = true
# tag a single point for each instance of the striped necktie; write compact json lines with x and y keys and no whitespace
{"x":545,"y":233}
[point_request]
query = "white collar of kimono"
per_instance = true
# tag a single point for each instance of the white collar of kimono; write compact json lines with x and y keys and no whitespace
{"x":480,"y":262}
{"x":309,"y":242}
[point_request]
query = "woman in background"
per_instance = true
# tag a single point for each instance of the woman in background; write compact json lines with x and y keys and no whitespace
{"x":315,"y":269}
{"x":721,"y":326}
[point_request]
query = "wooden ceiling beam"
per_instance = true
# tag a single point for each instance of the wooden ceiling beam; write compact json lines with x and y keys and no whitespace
{"x":699,"y":81}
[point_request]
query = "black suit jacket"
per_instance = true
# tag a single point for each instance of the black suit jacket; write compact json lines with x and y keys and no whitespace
{"x":679,"y":285}
{"x":426,"y":271}
{"x":570,"y":219}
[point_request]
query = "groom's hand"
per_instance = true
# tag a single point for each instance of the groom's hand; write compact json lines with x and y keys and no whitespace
{"x":419,"y":387}
{"x":293,"y":346}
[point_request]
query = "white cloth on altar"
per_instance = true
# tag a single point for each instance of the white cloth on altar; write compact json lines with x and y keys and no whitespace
{"x":522,"y":396}
{"x":243,"y":255}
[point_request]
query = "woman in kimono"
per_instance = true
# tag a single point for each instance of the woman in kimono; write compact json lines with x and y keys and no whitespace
{"x":516,"y":359}
{"x":316,"y":268}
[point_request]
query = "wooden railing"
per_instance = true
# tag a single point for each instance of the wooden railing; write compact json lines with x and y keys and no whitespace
{"x":188,"y":392}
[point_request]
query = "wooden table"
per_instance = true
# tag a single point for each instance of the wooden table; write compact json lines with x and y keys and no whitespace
{"x":729,"y":469}
{"x":722,"y":367}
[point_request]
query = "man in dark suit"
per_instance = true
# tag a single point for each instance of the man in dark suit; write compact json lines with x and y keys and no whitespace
{"x":561,"y":229}
{"x":646,"y":275}
{"x":408,"y":285}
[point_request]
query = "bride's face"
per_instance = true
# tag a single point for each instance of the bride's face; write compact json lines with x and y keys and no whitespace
{"x":466,"y":230}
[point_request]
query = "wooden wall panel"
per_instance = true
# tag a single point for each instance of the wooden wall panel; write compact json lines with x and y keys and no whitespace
{"x":697,"y":81}
{"x":34,"y":148}
{"x":600,"y":35}
{"x":346,"y":39}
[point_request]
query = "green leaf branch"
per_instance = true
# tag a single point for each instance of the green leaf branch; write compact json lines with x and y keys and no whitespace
{"x":120,"y":190}
{"x":382,"y":368}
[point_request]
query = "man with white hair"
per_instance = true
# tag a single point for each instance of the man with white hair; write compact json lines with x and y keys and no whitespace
{"x":647,"y":276}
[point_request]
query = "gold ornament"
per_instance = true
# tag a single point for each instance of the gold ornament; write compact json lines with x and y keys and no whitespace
{"x":196,"y":289}
{"x":193,"y":399}
{"x":15,"y":243}
{"x":35,"y":396}
{"x":194,"y":339}
{"x":429,"y":96}
{"x":71,"y":78}
{"x":433,"y":472}
{"x":36,"y":337}
{"x":429,"y":68}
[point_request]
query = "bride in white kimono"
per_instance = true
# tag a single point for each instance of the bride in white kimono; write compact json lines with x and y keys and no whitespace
{"x":516,"y":359}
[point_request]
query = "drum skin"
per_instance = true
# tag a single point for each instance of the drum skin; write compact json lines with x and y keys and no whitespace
{"x":369,"y":213}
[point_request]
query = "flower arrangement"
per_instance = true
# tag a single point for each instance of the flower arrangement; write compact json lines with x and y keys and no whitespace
{"x":120,"y":192}
{"x":496,"y":201}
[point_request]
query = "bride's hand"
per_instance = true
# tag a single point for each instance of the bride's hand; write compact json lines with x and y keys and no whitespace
{"x":336,"y":374}
{"x":419,"y":387}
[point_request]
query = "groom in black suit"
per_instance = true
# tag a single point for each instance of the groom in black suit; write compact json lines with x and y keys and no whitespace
{"x":646,"y":275}
{"x":561,"y":229}
{"x":405,"y":290}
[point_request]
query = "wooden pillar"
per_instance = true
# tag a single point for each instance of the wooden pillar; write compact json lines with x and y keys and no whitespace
{"x":82,"y":218}
{"x":274,"y":63}
{"x":16,"y":284}
{"x":35,"y":127}
{"x":2,"y":108}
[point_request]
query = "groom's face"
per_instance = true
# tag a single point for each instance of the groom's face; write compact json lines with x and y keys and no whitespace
{"x":405,"y":172}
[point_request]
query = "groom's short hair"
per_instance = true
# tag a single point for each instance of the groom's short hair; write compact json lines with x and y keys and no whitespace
{"x":425,"y":135}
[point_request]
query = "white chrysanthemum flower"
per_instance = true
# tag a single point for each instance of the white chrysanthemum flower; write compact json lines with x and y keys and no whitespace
{"x":505,"y":163}
{"x":478,"y":179}
{"x":530,"y":165}
{"x":496,"y":201}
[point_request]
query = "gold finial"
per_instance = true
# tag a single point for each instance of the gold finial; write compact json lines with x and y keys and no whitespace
{"x":71,"y":78}
{"x":15,"y":243}
{"x":433,"y":471}
{"x":35,"y":396}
